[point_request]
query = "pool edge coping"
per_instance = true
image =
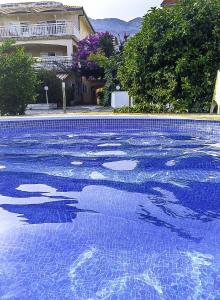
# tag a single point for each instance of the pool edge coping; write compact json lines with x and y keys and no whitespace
{"x":104,"y":117}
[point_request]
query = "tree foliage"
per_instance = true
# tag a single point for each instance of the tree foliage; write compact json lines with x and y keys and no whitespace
{"x":175,"y":57}
{"x":110,"y":65}
{"x":93,"y":44}
{"x":18,"y":79}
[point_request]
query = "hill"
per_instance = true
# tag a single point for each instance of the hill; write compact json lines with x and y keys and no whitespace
{"x":117,"y":26}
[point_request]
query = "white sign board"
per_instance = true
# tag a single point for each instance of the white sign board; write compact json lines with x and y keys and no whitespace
{"x":216,"y":96}
{"x":120,"y":99}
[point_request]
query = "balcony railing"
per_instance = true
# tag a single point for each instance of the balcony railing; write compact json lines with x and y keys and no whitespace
{"x":39,"y":30}
{"x":54,"y":62}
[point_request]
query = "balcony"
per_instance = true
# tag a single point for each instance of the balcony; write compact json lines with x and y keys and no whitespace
{"x":58,"y":63}
{"x":45,"y":30}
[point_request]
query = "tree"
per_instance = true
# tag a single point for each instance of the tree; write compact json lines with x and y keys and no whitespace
{"x":18,"y":79}
{"x":174,"y":59}
{"x":94,"y":43}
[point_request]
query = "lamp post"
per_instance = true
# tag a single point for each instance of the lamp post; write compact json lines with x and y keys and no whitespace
{"x":46,"y":88}
{"x":64,"y":96}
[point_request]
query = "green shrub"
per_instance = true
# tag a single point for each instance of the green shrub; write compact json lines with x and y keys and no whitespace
{"x":146,"y":107}
{"x":18,"y":79}
{"x":49,"y":78}
{"x":139,"y":108}
{"x":175,"y":57}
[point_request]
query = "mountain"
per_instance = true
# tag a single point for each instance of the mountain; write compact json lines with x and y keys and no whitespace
{"x":117,"y":26}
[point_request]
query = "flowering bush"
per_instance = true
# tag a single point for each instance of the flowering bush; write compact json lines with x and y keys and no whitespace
{"x":94,"y":43}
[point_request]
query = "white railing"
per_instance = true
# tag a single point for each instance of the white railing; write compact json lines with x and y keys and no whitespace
{"x":39,"y":30}
{"x":53,"y":62}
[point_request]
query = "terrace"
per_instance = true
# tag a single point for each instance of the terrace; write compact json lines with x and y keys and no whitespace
{"x":53,"y":62}
{"x":44,"y":30}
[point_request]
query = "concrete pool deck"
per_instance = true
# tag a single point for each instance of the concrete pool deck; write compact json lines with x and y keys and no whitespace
{"x":95,"y":111}
{"x":105,"y":114}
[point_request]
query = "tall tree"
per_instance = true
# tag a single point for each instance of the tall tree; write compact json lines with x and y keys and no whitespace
{"x":175,"y":57}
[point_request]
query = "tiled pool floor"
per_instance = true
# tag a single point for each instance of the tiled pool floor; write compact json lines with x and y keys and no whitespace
{"x":112,"y":215}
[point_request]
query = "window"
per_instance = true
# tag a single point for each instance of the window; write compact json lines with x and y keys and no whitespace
{"x":25,"y":30}
{"x":51,"y":54}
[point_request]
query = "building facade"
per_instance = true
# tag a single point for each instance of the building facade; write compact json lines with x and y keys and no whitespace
{"x":48,"y":31}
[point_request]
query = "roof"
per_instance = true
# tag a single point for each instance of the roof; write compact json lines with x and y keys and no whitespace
{"x":168,"y":2}
{"x":36,"y":7}
{"x":41,"y":7}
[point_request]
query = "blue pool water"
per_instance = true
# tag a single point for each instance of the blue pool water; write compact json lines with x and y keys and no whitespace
{"x":131,"y":214}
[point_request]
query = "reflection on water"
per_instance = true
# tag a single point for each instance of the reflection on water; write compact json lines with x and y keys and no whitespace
{"x":130,"y":215}
{"x":121,"y":165}
{"x":147,"y":217}
{"x":53,"y":212}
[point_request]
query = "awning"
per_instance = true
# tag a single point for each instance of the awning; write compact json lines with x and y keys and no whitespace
{"x":62,"y":76}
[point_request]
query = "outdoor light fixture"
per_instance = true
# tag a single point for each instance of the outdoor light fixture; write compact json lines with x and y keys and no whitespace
{"x":46,"y":88}
{"x":118,"y":87}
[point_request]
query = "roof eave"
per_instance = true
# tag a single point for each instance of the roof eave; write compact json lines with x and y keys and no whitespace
{"x":87,"y":19}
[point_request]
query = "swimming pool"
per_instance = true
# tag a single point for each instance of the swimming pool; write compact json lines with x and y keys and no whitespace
{"x":109,"y":209}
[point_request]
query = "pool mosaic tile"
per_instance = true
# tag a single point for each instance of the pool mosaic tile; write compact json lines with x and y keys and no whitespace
{"x":109,"y":210}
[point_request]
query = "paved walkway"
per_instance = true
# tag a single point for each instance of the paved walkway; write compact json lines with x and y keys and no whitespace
{"x":99,"y":111}
{"x":93,"y":111}
{"x":74,"y":109}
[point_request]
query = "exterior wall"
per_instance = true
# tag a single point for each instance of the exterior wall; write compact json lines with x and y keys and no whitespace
{"x":84,"y":28}
{"x":68,"y":44}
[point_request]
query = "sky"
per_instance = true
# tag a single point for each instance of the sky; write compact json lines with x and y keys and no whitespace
{"x":99,"y":9}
